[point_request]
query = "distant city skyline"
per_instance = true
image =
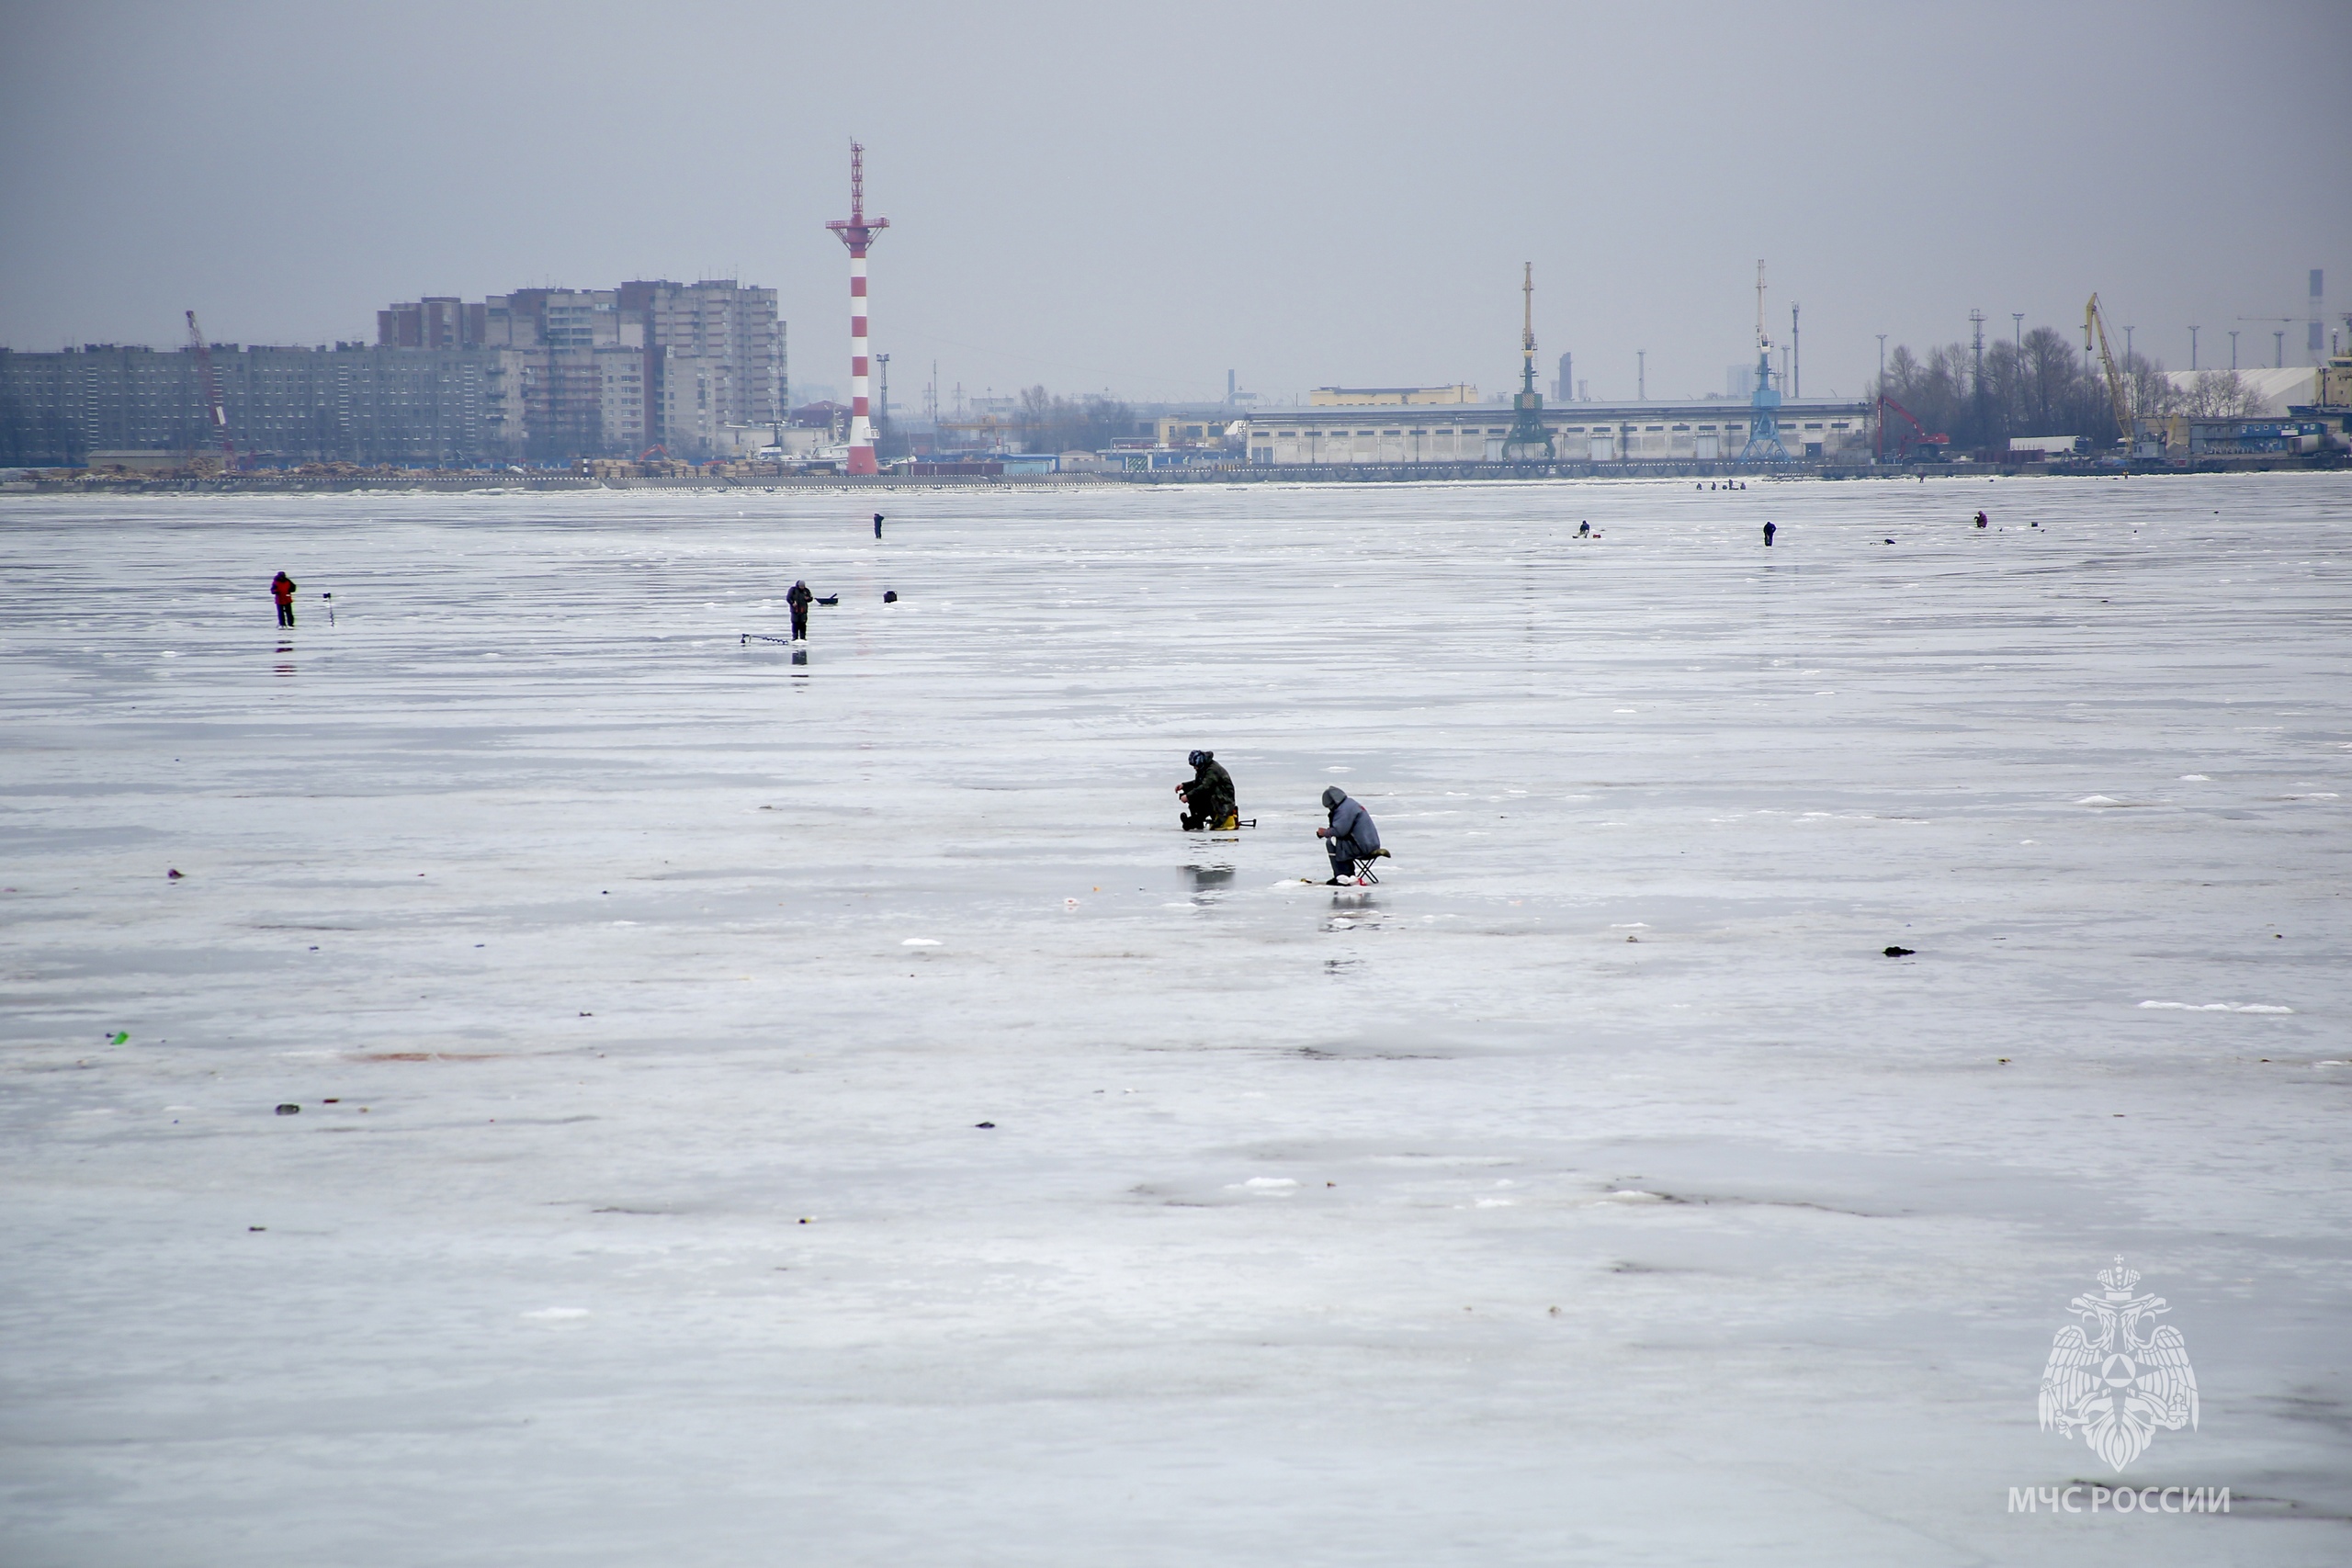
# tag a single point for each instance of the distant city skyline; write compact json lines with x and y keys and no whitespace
{"x":1145,"y":203}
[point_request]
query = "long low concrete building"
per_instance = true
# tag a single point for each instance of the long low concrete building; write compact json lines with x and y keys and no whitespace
{"x":1581,"y":433}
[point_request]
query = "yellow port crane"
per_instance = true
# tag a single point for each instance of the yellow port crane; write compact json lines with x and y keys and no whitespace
{"x":2094,"y":330}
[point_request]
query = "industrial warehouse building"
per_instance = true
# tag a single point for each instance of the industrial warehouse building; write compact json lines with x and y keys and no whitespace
{"x":1381,"y":436}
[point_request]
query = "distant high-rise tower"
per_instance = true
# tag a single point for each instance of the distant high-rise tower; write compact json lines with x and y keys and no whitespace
{"x":1564,"y":388}
{"x":2319,"y":313}
{"x":857,"y":233}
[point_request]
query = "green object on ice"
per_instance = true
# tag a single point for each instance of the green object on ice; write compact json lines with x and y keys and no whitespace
{"x":122,"y":1037}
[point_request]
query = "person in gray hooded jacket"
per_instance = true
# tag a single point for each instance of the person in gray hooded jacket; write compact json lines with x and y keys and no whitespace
{"x":1351,"y":837}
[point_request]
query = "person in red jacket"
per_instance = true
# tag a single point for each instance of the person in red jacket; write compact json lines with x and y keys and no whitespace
{"x":283,"y":587}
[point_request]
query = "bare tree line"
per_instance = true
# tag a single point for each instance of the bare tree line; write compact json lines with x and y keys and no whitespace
{"x":1051,"y":423}
{"x":2043,"y":384}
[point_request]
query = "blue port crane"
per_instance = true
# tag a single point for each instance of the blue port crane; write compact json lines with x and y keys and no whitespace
{"x":1764,"y":407}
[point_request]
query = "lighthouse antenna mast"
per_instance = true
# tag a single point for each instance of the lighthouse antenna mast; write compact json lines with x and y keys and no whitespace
{"x":857,"y":232}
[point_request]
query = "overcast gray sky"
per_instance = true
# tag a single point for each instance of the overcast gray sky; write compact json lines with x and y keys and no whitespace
{"x":1138,"y":197}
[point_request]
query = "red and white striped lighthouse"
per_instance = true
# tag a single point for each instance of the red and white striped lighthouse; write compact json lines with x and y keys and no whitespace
{"x":857,"y":233}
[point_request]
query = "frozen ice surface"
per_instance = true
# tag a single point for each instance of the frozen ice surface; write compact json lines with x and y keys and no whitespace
{"x":827,"y":1114}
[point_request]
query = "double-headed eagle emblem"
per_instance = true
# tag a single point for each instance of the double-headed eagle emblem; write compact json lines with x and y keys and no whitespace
{"x":2119,"y":1375}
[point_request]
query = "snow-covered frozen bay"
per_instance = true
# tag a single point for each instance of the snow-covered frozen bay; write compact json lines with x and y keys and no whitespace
{"x":1594,"y":1190}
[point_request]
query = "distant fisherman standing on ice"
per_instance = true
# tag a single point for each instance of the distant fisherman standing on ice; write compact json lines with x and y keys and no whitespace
{"x":1208,"y":799}
{"x":799,"y":598}
{"x":283,"y":587}
{"x":1349,"y":837}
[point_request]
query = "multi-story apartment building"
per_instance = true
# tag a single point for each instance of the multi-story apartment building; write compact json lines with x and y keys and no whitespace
{"x":454,"y":407}
{"x":437,"y":408}
{"x":588,"y":383}
{"x":544,"y":374}
{"x":38,"y":423}
{"x":553,"y":317}
{"x":440,"y":320}
{"x":723,"y":337}
{"x":628,"y":414}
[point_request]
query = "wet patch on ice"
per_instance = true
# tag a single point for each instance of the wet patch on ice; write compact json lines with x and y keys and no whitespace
{"x":1170,"y":1197}
{"x":1415,"y":1161}
{"x":423,"y":1056}
{"x":1642,"y":1197}
{"x":2216,"y":1007}
{"x":1363,"y":1053}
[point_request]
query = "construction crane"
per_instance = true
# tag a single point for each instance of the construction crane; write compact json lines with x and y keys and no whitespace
{"x":2095,"y":327}
{"x":211,"y":394}
{"x":1905,"y":444}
